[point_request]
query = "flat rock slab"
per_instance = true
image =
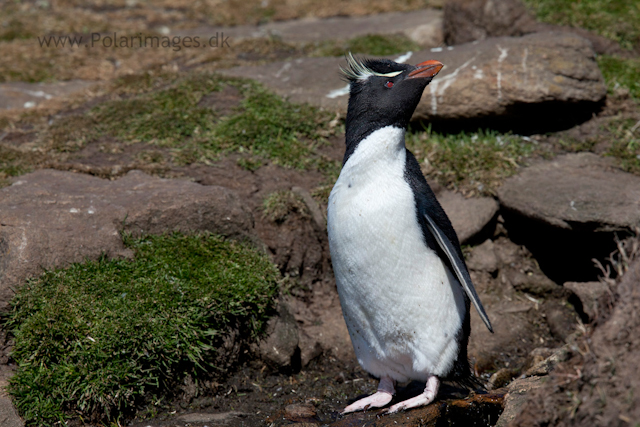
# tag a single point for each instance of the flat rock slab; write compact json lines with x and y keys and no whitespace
{"x":497,"y":77}
{"x":581,"y":192}
{"x":422,"y":26}
{"x":28,"y":95}
{"x":51,"y":218}
{"x":468,"y":216}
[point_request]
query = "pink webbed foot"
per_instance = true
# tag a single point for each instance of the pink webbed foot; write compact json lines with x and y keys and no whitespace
{"x":385,"y":392}
{"x":427,"y":396}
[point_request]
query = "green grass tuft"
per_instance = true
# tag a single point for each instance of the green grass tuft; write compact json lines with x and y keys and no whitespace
{"x":371,"y":44}
{"x":101,"y":338}
{"x":471,"y":162}
{"x":625,"y":145}
{"x":268,"y":126}
{"x":278,"y":205}
{"x":165,"y":110}
{"x":617,"y":20}
{"x":621,"y":73}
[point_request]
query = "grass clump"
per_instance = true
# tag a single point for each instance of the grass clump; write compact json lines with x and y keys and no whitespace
{"x":101,"y":338}
{"x":268,"y":126}
{"x":621,"y":73}
{"x":371,"y":44}
{"x":625,"y":146}
{"x":474,"y":163}
{"x":617,"y":20}
{"x":167,"y":111}
{"x":278,"y":205}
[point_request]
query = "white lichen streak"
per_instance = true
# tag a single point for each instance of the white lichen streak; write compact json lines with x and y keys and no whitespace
{"x":502,"y":57}
{"x":524,"y":65}
{"x":439,"y":86}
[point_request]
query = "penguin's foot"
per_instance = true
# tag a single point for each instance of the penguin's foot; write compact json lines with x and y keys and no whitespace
{"x":430,"y":392}
{"x":386,"y":390}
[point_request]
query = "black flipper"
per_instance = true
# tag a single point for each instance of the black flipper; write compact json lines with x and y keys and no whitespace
{"x":459,"y":268}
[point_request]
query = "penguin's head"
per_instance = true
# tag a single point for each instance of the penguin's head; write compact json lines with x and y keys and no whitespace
{"x":384,"y":92}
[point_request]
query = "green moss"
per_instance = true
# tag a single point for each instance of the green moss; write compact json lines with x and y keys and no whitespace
{"x":101,"y":338}
{"x":472,"y":162}
{"x":371,"y":44}
{"x":617,"y":20}
{"x":621,"y":73}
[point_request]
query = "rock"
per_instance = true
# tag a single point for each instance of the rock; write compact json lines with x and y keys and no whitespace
{"x":280,"y":347}
{"x":422,"y":26}
{"x":468,"y":216}
{"x":467,"y":20}
{"x":516,"y":397}
{"x":8,"y":415}
{"x":300,"y":412}
{"x":501,"y":378}
{"x":484,"y":258}
{"x":575,"y":192}
{"x":205,"y":417}
{"x":534,"y":283}
{"x":580,"y":201}
{"x":504,"y":79}
{"x":595,"y":383}
{"x":28,"y":95}
{"x":545,"y":366}
{"x":591,"y":296}
{"x":50,"y":218}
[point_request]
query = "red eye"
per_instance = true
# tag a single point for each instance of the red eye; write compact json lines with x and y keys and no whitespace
{"x":389,"y":84}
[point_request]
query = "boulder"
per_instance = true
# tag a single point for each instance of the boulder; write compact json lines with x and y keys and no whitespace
{"x":516,"y":397}
{"x":279,"y":348}
{"x":469,"y":20}
{"x":575,"y":192}
{"x":469,"y":216}
{"x":508,"y":79}
{"x":422,"y":26}
{"x":51,"y":218}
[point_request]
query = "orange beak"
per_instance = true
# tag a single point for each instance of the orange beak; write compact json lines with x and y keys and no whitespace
{"x":426,"y":69}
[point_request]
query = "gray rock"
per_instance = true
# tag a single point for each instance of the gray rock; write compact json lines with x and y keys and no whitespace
{"x":575,"y":192}
{"x":468,"y":20}
{"x":545,"y":366}
{"x":422,"y":26}
{"x":493,"y":78}
{"x":591,"y":296}
{"x":51,"y":219}
{"x":484,"y":258}
{"x":280,"y":346}
{"x":468,"y":216}
{"x":8,"y":414}
{"x":28,"y":95}
{"x":516,"y":398}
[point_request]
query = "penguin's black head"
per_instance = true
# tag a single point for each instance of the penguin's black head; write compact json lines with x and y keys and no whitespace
{"x":383,"y":93}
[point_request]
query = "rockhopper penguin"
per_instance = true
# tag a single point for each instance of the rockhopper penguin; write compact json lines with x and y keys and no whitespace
{"x":404,"y":287}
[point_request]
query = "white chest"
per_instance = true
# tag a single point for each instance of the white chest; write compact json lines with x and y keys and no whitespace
{"x":402,"y":306}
